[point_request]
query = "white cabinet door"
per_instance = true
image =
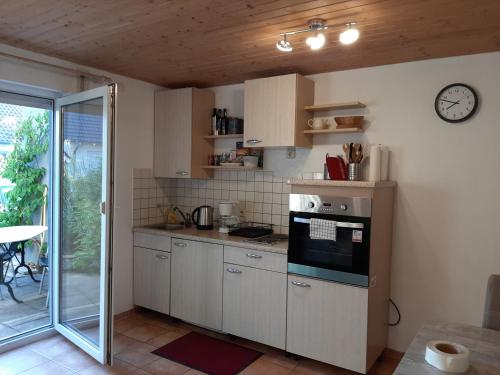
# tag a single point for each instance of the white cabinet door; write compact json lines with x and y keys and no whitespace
{"x":270,"y":105}
{"x":197,"y":282}
{"x":152,"y":279}
{"x":255,"y":304}
{"x":327,"y":321}
{"x":173,"y":121}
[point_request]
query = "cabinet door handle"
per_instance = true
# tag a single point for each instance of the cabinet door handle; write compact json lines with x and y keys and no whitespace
{"x":254,"y":256}
{"x":233,"y":270}
{"x":181,"y":173}
{"x":161,"y":256}
{"x":180,"y":244}
{"x":302,"y":285}
{"x":253,"y":141}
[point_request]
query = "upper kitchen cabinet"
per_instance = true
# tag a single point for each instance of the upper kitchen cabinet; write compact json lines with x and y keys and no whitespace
{"x":274,"y":111}
{"x":182,"y":118}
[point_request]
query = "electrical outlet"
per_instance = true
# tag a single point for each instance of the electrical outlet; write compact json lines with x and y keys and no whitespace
{"x":290,"y":153}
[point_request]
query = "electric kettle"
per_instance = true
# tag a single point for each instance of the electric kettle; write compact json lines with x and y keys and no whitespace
{"x":203,"y":217}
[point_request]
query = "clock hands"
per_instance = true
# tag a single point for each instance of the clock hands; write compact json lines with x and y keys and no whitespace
{"x":449,"y":101}
{"x":454,"y":103}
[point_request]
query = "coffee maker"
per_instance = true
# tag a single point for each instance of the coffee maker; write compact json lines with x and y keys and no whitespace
{"x":227,"y":217}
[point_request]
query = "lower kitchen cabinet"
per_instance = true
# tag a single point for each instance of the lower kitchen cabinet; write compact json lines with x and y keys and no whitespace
{"x":196,"y":293}
{"x":152,"y":279}
{"x":327,"y":321}
{"x":255,"y":304}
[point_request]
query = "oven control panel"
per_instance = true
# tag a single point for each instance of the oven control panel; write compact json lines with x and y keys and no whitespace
{"x":356,"y":206}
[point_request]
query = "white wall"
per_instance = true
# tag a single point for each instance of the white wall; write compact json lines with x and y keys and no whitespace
{"x":446,"y":243}
{"x":134,"y":139}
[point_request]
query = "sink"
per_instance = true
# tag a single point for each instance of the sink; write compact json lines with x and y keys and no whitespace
{"x":166,"y":226}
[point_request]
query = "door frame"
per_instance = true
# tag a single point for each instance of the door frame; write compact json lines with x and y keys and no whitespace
{"x":104,"y":351}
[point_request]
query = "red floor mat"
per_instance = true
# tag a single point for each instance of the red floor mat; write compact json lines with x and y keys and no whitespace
{"x":208,"y":354}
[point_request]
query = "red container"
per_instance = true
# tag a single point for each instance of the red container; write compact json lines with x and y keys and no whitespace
{"x":337,"y":169}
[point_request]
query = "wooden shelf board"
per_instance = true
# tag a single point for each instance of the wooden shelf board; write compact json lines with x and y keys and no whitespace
{"x":236,"y":167}
{"x":332,"y":131}
{"x":227,"y":136}
{"x":334,"y":106}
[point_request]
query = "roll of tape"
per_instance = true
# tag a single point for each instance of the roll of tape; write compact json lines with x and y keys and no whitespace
{"x":447,"y":356}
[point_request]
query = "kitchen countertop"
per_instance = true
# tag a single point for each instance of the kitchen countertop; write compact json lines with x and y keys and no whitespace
{"x":214,"y":236}
{"x":334,"y":183}
{"x":484,"y":345}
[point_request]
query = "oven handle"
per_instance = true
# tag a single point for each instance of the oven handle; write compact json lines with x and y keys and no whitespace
{"x":339,"y":224}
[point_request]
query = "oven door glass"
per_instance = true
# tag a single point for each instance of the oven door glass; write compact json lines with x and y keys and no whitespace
{"x":344,"y":260}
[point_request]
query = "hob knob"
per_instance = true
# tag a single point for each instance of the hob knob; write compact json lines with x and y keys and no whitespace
{"x":310,"y":205}
{"x":343,"y":207}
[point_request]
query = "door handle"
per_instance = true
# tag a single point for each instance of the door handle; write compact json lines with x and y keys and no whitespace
{"x":233,"y":270}
{"x":103,"y":208}
{"x":254,"y":256}
{"x":301,"y":284}
{"x":253,"y":141}
{"x":161,"y":256}
{"x":181,"y":173}
{"x":180,"y":244}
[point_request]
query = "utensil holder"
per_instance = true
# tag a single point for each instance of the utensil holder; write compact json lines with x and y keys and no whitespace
{"x":355,"y":172}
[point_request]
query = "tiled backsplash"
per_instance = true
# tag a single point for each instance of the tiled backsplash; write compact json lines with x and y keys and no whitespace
{"x":262,"y":197}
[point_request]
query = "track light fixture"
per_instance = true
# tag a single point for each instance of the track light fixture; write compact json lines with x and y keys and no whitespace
{"x":348,"y":36}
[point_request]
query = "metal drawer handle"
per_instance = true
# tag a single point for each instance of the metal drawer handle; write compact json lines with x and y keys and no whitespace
{"x":254,"y":256}
{"x":233,"y":270}
{"x":253,"y":141}
{"x":180,"y":244}
{"x":302,"y":285}
{"x":162,"y":256}
{"x":181,"y":173}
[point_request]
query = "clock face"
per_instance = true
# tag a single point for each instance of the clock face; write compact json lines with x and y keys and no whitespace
{"x":456,"y":102}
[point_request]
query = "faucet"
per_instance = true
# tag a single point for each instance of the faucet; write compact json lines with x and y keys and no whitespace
{"x":185,"y":217}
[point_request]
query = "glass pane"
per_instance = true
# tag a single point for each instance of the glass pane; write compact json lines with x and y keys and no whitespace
{"x":25,"y":134}
{"x":81,"y":196}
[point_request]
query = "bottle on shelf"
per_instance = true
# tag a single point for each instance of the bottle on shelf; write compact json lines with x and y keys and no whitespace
{"x":214,"y":122}
{"x":225,"y":120}
{"x":219,"y":122}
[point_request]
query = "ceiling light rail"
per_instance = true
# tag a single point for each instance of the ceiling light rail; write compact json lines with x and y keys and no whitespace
{"x":316,"y":25}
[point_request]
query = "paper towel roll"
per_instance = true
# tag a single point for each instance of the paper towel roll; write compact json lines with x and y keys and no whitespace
{"x":374,"y":173}
{"x":384,"y":163}
{"x":447,"y":356}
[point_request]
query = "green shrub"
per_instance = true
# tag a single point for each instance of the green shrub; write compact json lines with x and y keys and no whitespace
{"x":22,"y":169}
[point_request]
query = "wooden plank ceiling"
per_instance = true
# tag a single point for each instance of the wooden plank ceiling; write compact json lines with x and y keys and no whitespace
{"x":212,"y":42}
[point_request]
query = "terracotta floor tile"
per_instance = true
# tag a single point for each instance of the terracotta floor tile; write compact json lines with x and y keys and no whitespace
{"x":128,"y":323}
{"x":164,"y":366}
{"x":278,"y":357}
{"x":167,"y":337}
{"x":265,"y":367}
{"x":121,"y":342}
{"x":140,"y":372}
{"x":48,"y":368}
{"x":311,"y":367}
{"x":138,"y":354}
{"x":52,"y":346}
{"x":144,"y":332}
{"x":119,"y":368}
{"x":76,"y":360}
{"x":19,"y":360}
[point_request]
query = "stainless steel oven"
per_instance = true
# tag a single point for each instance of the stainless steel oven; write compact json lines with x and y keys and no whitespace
{"x":329,"y":238}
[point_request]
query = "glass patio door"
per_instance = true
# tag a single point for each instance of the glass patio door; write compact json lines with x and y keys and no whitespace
{"x":82,"y":220}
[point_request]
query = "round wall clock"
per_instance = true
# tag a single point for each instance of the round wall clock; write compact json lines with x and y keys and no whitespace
{"x":456,"y":102}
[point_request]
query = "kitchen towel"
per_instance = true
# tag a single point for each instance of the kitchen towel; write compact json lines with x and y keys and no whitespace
{"x":323,"y":229}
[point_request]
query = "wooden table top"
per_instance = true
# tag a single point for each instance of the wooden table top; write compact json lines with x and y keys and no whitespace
{"x":484,"y":345}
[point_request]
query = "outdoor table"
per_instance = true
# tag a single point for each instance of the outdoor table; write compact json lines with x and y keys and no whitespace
{"x":17,"y":235}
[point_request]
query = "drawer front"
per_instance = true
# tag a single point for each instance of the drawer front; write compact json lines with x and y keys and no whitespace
{"x":152,"y":241}
{"x":255,"y":258}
